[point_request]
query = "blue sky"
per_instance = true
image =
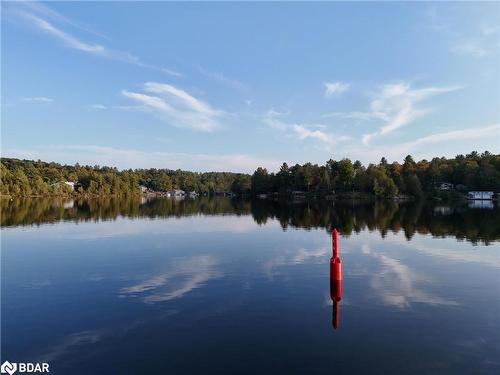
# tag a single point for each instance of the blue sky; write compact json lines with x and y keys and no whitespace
{"x":234,"y":86}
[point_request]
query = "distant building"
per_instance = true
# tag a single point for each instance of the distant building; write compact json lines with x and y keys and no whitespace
{"x":193,"y":194}
{"x":143,"y":188}
{"x":178,"y":193}
{"x":298,"y":194}
{"x":70,"y":184}
{"x":445,"y":186}
{"x":480,"y":195}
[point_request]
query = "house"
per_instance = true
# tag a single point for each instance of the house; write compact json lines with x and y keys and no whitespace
{"x":445,"y":186}
{"x":178,"y":193}
{"x":70,"y":184}
{"x":143,"y":188}
{"x":193,"y":194}
{"x":480,"y":195}
{"x":298,"y":194}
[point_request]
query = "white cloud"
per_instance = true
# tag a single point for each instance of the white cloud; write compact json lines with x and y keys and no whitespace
{"x":177,"y":107}
{"x":475,"y":42}
{"x":68,"y":39}
{"x":39,"y":99}
{"x":356,"y":115}
{"x":171,"y":72}
{"x":302,"y":132}
{"x":335,"y":88}
{"x":396,"y":105}
{"x":455,"y":135}
{"x":129,"y":158}
{"x":222,"y":78}
{"x":421,"y":148}
{"x":298,"y":131}
{"x":470,"y":47}
{"x":37,"y":16}
{"x":98,"y":106}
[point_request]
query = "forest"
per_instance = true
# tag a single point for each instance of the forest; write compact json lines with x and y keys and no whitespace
{"x":410,"y":178}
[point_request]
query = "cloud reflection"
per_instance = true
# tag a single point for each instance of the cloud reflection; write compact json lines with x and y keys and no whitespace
{"x":184,"y":276}
{"x":399,"y":286}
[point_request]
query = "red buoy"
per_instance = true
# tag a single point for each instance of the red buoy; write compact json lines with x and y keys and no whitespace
{"x":335,"y":279}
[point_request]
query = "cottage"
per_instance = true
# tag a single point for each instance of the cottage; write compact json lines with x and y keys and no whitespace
{"x":445,"y":186}
{"x":298,"y":194}
{"x":70,"y":184}
{"x":143,"y":188}
{"x":480,"y":195}
{"x":178,"y":193}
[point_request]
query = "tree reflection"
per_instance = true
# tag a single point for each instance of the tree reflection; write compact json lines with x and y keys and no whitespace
{"x":348,"y":216}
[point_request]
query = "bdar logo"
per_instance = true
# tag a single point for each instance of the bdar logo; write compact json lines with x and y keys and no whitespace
{"x":8,"y":368}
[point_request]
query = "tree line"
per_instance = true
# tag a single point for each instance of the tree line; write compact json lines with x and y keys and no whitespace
{"x":38,"y":178}
{"x":473,"y":171}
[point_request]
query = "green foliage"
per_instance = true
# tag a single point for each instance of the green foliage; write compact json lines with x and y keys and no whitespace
{"x":416,"y":179}
{"x":35,"y":178}
{"x":473,"y":171}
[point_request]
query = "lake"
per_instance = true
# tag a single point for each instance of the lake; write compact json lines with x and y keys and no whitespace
{"x":221,"y":286}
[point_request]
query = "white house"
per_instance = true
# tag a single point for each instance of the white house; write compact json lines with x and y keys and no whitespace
{"x":445,"y":186}
{"x":482,"y":195}
{"x":178,"y":193}
{"x":70,"y":184}
{"x":143,"y":188}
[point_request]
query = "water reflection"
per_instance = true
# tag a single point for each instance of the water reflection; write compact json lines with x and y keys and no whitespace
{"x":349,"y":216}
{"x":182,"y":277}
{"x":118,"y":293}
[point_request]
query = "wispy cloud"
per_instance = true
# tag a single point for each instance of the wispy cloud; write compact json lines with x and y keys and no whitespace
{"x":475,"y":42}
{"x":303,"y":133}
{"x":455,"y":135}
{"x":44,"y":19}
{"x":37,"y":7}
{"x":355,"y":115}
{"x":98,"y":106}
{"x":335,"y":88}
{"x":177,"y":107}
{"x":472,"y":47}
{"x":131,"y":158}
{"x":222,"y":78}
{"x":397,"y":105}
{"x":421,"y":147}
{"x":67,"y":38}
{"x":274,"y":119}
{"x":38,"y":99}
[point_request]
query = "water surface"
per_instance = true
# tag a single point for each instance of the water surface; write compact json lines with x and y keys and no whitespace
{"x":127,"y":286}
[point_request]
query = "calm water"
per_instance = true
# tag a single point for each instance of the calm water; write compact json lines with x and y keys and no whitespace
{"x":220,"y":286}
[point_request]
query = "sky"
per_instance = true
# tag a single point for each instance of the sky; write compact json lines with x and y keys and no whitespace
{"x":235,"y":86}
